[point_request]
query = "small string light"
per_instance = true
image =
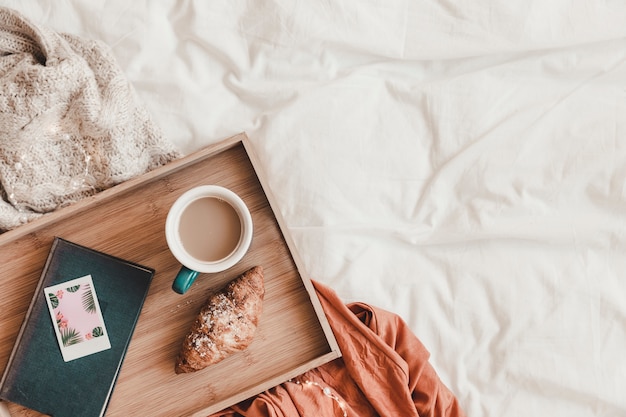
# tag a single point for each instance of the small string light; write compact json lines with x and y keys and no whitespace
{"x":325,"y":390}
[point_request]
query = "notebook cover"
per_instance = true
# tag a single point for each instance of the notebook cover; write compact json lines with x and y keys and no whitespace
{"x":36,"y":375}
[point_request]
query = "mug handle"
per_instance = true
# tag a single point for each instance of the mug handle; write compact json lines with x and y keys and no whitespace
{"x":184,"y":279}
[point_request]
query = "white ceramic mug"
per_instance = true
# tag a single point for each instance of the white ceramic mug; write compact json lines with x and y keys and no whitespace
{"x":203,"y":234}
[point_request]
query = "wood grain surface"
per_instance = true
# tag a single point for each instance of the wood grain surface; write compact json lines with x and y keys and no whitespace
{"x":128,"y":221}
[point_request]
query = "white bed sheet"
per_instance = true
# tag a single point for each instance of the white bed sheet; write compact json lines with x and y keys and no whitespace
{"x":463,"y":165}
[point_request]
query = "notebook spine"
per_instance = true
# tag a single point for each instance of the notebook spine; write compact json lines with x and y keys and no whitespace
{"x":25,"y":322}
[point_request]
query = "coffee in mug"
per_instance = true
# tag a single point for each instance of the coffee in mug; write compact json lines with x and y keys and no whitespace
{"x":208,"y":229}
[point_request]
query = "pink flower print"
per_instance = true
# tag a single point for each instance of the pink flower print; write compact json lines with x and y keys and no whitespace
{"x":88,"y":336}
{"x":59,"y":294}
{"x":61,"y":321}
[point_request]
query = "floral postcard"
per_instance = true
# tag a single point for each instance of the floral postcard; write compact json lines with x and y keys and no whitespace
{"x":77,"y":318}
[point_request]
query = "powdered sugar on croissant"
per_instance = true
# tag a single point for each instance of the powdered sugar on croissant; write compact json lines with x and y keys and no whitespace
{"x":226,"y":323}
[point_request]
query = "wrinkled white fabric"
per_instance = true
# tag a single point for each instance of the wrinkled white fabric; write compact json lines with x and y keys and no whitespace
{"x":462,"y":164}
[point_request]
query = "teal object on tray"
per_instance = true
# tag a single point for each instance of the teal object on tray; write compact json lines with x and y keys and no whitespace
{"x":184,"y":279}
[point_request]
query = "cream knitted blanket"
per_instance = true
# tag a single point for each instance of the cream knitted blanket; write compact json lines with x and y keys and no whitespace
{"x":70,"y":123}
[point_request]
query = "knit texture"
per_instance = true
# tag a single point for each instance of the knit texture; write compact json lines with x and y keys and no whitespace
{"x":71,"y":124}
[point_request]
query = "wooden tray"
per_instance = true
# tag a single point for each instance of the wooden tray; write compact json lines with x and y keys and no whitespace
{"x":128,"y":221}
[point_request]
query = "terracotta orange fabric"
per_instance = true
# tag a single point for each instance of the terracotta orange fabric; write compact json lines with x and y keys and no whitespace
{"x":384,"y":371}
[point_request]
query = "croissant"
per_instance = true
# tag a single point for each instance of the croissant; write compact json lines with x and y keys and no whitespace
{"x":226,"y":323}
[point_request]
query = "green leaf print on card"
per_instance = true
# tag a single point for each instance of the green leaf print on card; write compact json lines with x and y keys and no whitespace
{"x":89,"y":304}
{"x":74,"y":288}
{"x":70,"y":336}
{"x":97,"y":332}
{"x":54,"y":300}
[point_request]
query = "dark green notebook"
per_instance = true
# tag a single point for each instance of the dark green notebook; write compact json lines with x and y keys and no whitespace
{"x":36,"y":375}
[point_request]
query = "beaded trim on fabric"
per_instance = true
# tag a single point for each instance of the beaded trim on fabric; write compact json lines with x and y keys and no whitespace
{"x":327,"y":391}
